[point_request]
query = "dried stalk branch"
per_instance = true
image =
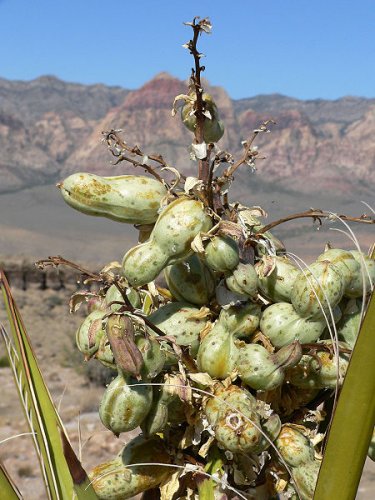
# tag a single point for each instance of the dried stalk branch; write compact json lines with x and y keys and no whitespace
{"x":317,"y":215}
{"x":118,"y":148}
{"x":58,"y":260}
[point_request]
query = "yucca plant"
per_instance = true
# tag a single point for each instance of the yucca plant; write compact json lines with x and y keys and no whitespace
{"x":232,"y":364}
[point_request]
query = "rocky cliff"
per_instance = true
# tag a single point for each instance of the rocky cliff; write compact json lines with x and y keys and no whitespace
{"x":49,"y":128}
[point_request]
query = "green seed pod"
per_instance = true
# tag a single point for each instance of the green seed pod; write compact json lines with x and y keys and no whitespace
{"x":276,"y":284}
{"x":317,"y":288}
{"x":170,"y":241}
{"x":217,"y":354}
{"x":295,"y":448}
{"x":283,"y":325}
{"x":311,"y":374}
{"x":235,"y":421}
{"x":104,"y":354}
{"x":241,"y":320}
{"x":213,"y":129}
{"x":113,"y":481}
{"x":157,"y":418}
{"x":114,"y":295}
{"x":367,"y":271}
{"x":134,"y":199}
{"x":90,"y":332}
{"x":222,"y":254}
{"x":243,"y":280}
{"x":124,"y":408}
{"x":190,"y":281}
{"x":153,"y":356}
{"x":348,"y":326}
{"x":182,"y":321}
{"x":344,"y":261}
{"x":262,"y":370}
{"x":305,"y":477}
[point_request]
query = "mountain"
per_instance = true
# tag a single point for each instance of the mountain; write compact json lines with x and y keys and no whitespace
{"x":50,"y":128}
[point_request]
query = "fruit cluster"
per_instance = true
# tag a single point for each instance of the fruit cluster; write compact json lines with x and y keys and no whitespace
{"x":222,"y":352}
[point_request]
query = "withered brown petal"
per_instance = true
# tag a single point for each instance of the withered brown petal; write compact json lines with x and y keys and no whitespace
{"x":120,"y":333}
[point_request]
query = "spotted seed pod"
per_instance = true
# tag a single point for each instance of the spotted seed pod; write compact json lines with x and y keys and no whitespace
{"x":344,"y":261}
{"x":294,"y":446}
{"x":243,"y":280}
{"x":262,"y":370}
{"x":236,"y":422}
{"x":213,"y":128}
{"x":182,"y":321}
{"x":170,"y":241}
{"x":90,"y":332}
{"x":364,"y":279}
{"x":134,"y":199}
{"x":124,"y":407}
{"x":276,"y":281}
{"x":218,"y":353}
{"x":282,"y":325}
{"x":241,"y":320}
{"x":305,"y":477}
{"x":114,"y":295}
{"x":349,"y":324}
{"x":222,"y":254}
{"x":190,"y":281}
{"x":313,"y":374}
{"x":112,"y":480}
{"x":317,"y":289}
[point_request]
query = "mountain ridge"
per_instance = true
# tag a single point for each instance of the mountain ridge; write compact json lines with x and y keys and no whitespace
{"x":50,"y":128}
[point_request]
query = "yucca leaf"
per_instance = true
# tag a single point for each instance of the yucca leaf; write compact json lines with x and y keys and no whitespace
{"x":7,"y":487}
{"x":40,"y":412}
{"x":353,"y":421}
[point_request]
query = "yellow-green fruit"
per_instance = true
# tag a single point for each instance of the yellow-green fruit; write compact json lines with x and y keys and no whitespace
{"x":222,"y":254}
{"x":213,"y":129}
{"x":277,"y":286}
{"x":283,"y":325}
{"x":218,"y":354}
{"x":124,"y":406}
{"x":170,"y":241}
{"x":181,"y":321}
{"x":134,"y":199}
{"x":104,"y":354}
{"x":364,"y":279}
{"x":294,"y":446}
{"x":90,"y":332}
{"x":113,"y":480}
{"x":243,"y":280}
{"x":317,"y":289}
{"x":236,"y":423}
{"x":311,"y":374}
{"x":190,"y":281}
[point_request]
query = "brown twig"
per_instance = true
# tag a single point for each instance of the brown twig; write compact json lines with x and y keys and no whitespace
{"x":58,"y":260}
{"x":317,"y":215}
{"x":249,"y":154}
{"x":118,"y":148}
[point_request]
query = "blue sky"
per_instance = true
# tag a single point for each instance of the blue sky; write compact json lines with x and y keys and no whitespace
{"x":302,"y":48}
